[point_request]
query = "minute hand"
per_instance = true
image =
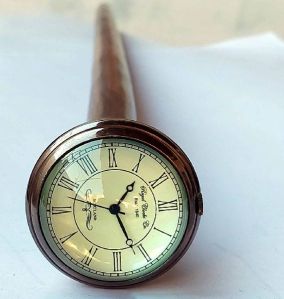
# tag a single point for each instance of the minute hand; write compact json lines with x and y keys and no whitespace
{"x":129,"y":188}
{"x":129,"y":241}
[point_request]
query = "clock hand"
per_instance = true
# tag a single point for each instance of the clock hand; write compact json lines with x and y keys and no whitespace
{"x":129,"y":241}
{"x":129,"y":188}
{"x":93,"y":204}
{"x":122,"y":226}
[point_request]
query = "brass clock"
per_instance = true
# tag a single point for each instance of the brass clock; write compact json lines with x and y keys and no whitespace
{"x":113,"y":202}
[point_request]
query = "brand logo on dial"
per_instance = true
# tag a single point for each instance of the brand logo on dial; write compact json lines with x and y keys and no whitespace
{"x":90,"y":209}
{"x":142,"y":206}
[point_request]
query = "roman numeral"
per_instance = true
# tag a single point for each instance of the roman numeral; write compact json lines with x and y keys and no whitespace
{"x":61,"y":210}
{"x":161,"y":231}
{"x":116,"y":261}
{"x":66,"y":238}
{"x":144,"y":252}
{"x":67,"y":183}
{"x":167,"y":205}
{"x":111,"y":158}
{"x":155,"y":183}
{"x":89,"y":256}
{"x":136,"y":167}
{"x":87,"y":165}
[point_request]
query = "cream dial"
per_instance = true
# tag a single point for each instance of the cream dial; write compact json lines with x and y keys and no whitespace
{"x":113,"y":209}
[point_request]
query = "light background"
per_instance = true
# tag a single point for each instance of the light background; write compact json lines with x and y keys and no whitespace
{"x":178,"y":22}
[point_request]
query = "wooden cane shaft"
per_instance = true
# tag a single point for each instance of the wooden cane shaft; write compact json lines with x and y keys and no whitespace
{"x":112,"y":93}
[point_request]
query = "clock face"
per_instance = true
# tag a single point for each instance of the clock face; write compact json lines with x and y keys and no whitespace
{"x":113,"y":209}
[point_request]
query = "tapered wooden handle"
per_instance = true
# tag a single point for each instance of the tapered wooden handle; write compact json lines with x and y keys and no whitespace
{"x":112,"y":92}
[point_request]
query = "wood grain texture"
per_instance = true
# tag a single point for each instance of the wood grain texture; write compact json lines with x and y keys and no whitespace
{"x":112,"y":94}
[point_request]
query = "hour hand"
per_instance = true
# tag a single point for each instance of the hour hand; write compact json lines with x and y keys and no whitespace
{"x":129,"y":188}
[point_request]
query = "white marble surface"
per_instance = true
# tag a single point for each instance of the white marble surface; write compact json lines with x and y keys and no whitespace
{"x":222,"y":103}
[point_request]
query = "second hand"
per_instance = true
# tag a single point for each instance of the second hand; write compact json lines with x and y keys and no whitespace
{"x":93,"y":204}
